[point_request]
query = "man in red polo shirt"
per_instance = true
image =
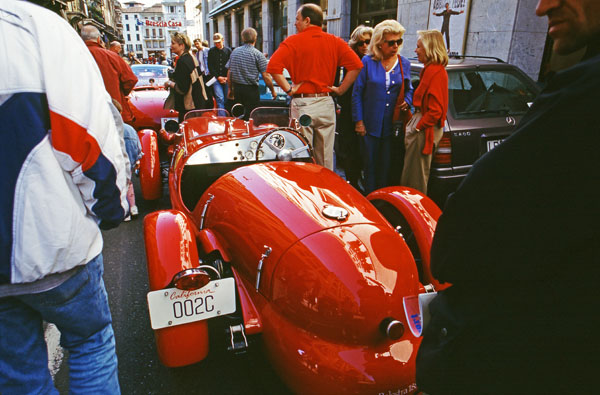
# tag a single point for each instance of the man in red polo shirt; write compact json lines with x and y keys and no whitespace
{"x":312,"y":58}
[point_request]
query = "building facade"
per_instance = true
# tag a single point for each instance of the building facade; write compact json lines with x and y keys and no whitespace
{"x":147,"y":30}
{"x":193,"y":19}
{"x":104,"y":14}
{"x":507,"y":29}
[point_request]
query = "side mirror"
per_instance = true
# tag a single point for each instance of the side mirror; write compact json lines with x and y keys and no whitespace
{"x":305,"y":120}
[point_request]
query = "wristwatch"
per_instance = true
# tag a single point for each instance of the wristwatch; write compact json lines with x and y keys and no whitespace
{"x":289,"y":90}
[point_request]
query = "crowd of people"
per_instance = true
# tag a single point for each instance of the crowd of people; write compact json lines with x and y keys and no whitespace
{"x":517,"y":240}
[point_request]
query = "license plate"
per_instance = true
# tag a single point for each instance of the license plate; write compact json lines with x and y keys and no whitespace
{"x":491,"y":144}
{"x":172,"y":306}
{"x":164,"y":120}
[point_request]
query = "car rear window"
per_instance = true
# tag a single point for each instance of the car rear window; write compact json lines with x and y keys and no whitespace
{"x":488,"y":93}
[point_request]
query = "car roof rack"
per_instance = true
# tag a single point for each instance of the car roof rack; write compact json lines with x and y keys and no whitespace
{"x":476,"y":57}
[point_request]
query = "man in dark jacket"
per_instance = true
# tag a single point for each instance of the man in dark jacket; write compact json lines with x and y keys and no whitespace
{"x":218,"y":56}
{"x":519,"y":241}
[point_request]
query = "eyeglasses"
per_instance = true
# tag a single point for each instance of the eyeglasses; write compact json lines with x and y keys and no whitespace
{"x":392,"y":42}
{"x":361,"y":43}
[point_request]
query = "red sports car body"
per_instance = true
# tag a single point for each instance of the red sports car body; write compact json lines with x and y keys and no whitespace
{"x":324,"y":279}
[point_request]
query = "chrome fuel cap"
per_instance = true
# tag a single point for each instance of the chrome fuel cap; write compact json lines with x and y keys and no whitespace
{"x":334,"y":212}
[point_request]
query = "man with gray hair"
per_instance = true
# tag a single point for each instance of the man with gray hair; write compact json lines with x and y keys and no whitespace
{"x":117,"y":75}
{"x":245,"y":65}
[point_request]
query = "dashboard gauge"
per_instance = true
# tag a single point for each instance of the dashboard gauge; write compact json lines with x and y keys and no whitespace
{"x":277,"y":140}
{"x":260,"y":154}
{"x":253,"y":144}
{"x":249,"y":154}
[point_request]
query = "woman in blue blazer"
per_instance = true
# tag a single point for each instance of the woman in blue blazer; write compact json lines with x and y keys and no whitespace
{"x":373,"y":99}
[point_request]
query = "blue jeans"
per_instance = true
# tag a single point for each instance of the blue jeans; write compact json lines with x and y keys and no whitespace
{"x":132,"y":143}
{"x":79,"y":308}
{"x":220,"y":92}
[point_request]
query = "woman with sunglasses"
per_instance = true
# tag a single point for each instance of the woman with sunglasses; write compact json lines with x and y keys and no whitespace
{"x":384,"y":76}
{"x":425,"y":129}
{"x":188,"y":86}
{"x":348,"y":150}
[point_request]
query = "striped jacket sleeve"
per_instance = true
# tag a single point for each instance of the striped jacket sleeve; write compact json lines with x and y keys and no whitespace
{"x":84,"y":128}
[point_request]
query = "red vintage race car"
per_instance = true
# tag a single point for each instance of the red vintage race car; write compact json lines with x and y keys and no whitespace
{"x":288,"y":257}
{"x":146,"y":103}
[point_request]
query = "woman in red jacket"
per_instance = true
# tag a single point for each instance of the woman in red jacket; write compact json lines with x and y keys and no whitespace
{"x":430,"y":100}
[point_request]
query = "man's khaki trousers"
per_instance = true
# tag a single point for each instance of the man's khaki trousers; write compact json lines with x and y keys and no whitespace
{"x":321,"y":132}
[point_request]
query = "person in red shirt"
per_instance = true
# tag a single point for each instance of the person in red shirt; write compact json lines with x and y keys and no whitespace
{"x":312,"y":58}
{"x":118,"y":78}
{"x":430,"y":99}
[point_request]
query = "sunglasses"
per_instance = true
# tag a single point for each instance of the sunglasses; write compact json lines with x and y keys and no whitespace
{"x":361,"y":43}
{"x":392,"y":42}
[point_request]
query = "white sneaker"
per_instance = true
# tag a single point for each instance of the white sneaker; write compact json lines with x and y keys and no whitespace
{"x":127,"y":219}
{"x":133,"y":210}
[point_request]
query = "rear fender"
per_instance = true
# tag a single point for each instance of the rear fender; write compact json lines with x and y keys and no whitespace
{"x":170,"y":248}
{"x":210,"y":243}
{"x":150,"y":177}
{"x":417,"y":216}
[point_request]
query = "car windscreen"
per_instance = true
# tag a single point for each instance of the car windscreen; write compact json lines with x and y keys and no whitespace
{"x":486,"y":93}
{"x":144,"y":73}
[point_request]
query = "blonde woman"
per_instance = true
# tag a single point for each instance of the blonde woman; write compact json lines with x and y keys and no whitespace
{"x":184,"y":77}
{"x":385,"y":74}
{"x":424,"y":131}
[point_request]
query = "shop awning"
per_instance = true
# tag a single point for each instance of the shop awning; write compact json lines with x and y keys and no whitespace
{"x":224,"y":7}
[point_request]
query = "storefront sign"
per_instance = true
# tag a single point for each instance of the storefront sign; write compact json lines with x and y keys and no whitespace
{"x":147,"y":22}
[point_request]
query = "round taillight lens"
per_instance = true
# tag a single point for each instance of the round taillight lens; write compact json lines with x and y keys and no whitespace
{"x":190,"y":279}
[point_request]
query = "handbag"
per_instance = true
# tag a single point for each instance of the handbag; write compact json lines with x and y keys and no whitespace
{"x":401,"y":115}
{"x":170,"y":100}
{"x":188,"y":97}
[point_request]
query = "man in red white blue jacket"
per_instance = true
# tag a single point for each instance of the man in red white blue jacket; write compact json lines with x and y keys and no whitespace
{"x":64,"y":176}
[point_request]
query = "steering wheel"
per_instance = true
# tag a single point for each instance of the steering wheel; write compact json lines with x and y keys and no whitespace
{"x":276,"y":142}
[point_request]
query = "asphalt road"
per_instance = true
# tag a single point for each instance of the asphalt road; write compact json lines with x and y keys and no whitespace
{"x":140,"y":371}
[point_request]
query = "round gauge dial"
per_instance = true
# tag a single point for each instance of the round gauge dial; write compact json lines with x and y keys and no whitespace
{"x":277,"y":140}
{"x":260,"y":154}
{"x":253,"y":144}
{"x":249,"y":155}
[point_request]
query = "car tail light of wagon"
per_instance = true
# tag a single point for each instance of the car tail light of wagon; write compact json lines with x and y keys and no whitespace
{"x":443,"y":153}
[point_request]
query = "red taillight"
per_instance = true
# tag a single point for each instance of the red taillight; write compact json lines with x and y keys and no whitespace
{"x":443,"y":153}
{"x":190,"y":279}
